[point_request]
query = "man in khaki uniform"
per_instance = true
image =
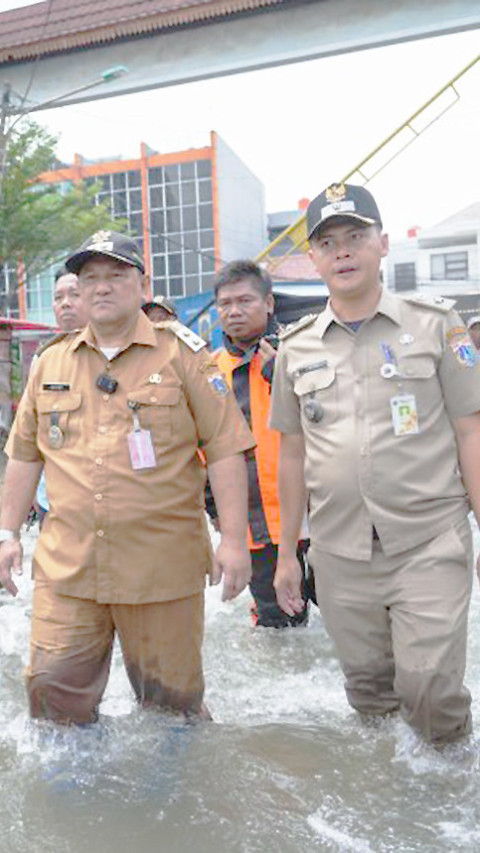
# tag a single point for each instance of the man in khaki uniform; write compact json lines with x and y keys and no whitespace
{"x":118,"y":413}
{"x":378,"y":401}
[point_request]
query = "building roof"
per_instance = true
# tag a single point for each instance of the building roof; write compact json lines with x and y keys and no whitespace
{"x":293,"y":268}
{"x":465,"y":216}
{"x":59,"y":25}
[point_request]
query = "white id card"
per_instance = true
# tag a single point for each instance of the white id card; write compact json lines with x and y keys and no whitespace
{"x":140,"y":445}
{"x":404,"y":414}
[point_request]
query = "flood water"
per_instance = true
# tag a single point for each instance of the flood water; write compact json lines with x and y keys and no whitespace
{"x":285,"y":766}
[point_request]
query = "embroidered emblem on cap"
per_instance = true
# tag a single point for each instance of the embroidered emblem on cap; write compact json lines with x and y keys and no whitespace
{"x":219,"y":384}
{"x":335,"y":192}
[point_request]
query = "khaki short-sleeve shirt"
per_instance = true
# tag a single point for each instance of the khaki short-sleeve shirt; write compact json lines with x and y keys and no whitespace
{"x":331,"y":384}
{"x":114,"y":534}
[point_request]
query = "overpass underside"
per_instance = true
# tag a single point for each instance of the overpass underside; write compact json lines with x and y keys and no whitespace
{"x":277,"y":35}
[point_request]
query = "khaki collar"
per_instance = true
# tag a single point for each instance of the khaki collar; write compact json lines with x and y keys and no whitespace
{"x":388,"y":305}
{"x":143,"y":333}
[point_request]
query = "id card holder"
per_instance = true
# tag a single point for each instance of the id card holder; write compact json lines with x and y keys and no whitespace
{"x":404,"y":414}
{"x":140,"y":446}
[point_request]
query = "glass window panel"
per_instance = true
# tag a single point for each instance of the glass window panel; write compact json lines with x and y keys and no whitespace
{"x":206,"y":215}
{"x":191,"y":262}
{"x":159,"y":287}
{"x":171,"y":174}
{"x":158,"y":266}
{"x":175,"y":286}
{"x":136,"y":224}
{"x":157,"y":243}
{"x":187,"y":170}
{"x":204,"y":190}
{"x":207,"y":239}
{"x":172,"y":195}
{"x":119,"y":180}
{"x":134,"y":178}
{"x":192,"y":284}
{"x":173,"y":220}
{"x":105,"y":182}
{"x":157,"y":222}
{"x":135,"y":199}
{"x":175,"y":264}
{"x":155,"y":175}
{"x":190,"y":241}
{"x":119,"y":204}
{"x":189,"y":216}
{"x":208,"y":263}
{"x":156,"y":197}
{"x":207,"y":282}
{"x":204,"y":168}
{"x":189,"y":195}
{"x":46,"y":298}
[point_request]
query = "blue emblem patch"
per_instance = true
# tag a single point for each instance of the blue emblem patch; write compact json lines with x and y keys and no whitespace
{"x":461,"y":345}
{"x":219,"y":384}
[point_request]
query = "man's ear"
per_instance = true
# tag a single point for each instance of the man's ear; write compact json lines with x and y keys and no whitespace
{"x":270,"y":303}
{"x":385,"y":245}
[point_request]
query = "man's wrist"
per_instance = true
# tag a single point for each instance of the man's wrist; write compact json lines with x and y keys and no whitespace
{"x":7,"y":534}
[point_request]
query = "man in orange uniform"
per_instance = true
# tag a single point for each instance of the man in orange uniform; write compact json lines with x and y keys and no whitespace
{"x":245,"y":305}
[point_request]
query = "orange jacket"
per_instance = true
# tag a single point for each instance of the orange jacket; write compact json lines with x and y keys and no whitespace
{"x":263,"y":494}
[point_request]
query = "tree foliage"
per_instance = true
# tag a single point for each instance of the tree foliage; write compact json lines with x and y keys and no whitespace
{"x":40,"y":223}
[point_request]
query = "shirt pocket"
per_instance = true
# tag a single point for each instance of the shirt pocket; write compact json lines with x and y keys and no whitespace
{"x":158,"y":410}
{"x":317,"y":394}
{"x":58,"y":409}
{"x":417,"y":367}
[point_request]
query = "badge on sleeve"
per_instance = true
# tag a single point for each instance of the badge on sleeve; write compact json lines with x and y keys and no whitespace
{"x":462,"y":346}
{"x":219,"y":385}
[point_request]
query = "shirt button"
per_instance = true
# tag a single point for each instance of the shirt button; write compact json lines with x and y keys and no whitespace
{"x":99,"y":461}
{"x":100,"y":533}
{"x":102,"y":428}
{"x":153,"y":399}
{"x":98,"y":497}
{"x":106,"y":397}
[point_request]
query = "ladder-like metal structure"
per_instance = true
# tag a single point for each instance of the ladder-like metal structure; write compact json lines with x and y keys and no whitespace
{"x":294,"y":237}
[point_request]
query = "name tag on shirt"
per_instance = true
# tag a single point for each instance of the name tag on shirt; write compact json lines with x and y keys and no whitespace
{"x":404,"y":414}
{"x":140,"y":446}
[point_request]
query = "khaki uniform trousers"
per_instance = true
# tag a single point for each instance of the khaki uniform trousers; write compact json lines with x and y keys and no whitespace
{"x":71,"y":649}
{"x":399,"y":625}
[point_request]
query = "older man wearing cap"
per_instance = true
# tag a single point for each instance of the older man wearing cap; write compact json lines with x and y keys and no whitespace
{"x":377,"y":400}
{"x":117,"y":412}
{"x":160,"y":309}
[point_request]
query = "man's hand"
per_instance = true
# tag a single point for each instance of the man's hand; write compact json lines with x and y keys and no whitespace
{"x":11,"y":557}
{"x":232,"y":561}
{"x":288,"y":583}
{"x":266,"y":351}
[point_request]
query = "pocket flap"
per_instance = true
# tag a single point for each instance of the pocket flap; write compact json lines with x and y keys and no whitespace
{"x":155,"y":395}
{"x":314,"y":380}
{"x":58,"y":401}
{"x":417,"y":367}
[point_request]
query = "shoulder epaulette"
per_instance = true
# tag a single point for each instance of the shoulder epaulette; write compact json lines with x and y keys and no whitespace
{"x":438,"y":303}
{"x":55,"y":340}
{"x":192,"y":340}
{"x":292,"y":328}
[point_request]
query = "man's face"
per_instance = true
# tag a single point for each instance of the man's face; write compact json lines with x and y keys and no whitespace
{"x":347,"y":257}
{"x":475,"y":334}
{"x":111,"y":290}
{"x":68,"y":306}
{"x":243,"y":311}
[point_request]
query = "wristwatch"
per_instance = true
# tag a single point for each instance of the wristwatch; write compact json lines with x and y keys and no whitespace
{"x":6,"y":535}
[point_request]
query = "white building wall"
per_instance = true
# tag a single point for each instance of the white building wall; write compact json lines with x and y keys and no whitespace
{"x":241,"y":207}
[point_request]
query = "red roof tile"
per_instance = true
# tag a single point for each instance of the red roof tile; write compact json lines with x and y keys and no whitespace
{"x":50,"y":27}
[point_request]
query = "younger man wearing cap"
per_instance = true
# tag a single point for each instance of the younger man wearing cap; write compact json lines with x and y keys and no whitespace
{"x":378,"y":404}
{"x":159,"y":309}
{"x":117,"y":413}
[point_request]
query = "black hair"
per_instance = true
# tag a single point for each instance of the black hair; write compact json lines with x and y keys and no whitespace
{"x":236,"y":271}
{"x":61,"y":272}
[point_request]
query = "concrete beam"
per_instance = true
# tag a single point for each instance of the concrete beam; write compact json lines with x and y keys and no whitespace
{"x":276,"y":37}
